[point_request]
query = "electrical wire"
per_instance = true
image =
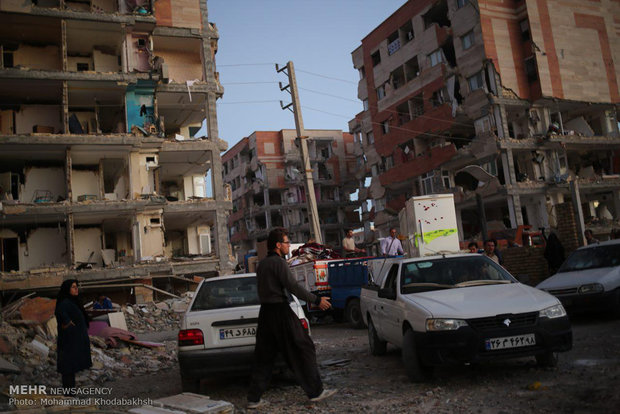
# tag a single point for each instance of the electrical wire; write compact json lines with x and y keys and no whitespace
{"x":385,"y":110}
{"x":393,"y":127}
{"x":325,"y":76}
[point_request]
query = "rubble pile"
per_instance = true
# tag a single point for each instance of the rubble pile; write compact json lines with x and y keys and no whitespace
{"x":28,"y":347}
{"x":160,"y":316}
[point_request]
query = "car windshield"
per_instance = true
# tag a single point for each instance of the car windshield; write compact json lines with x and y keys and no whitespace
{"x":226,"y":293}
{"x":592,"y":258}
{"x":450,"y":273}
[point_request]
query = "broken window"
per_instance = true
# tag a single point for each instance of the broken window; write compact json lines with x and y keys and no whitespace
{"x":385,"y":126}
{"x":427,"y":182}
{"x":398,"y":77}
{"x":406,"y":31}
{"x":440,"y":96}
{"x":438,"y":14}
{"x":365,"y":104}
{"x":475,"y":82}
{"x":448,"y":51}
{"x":445,"y":177}
{"x":417,"y":106}
{"x":381,"y":92}
{"x":393,"y":43}
{"x":388,"y":162}
{"x":524,"y":25}
{"x":7,"y":58}
{"x":436,"y":57}
{"x":461,"y":3}
{"x":403,"y":113}
{"x":530,"y":69}
{"x":467,"y":40}
{"x":370,"y":138}
{"x":376,"y":58}
{"x":412,"y":68}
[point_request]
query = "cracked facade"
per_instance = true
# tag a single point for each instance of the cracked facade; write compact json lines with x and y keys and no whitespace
{"x":101,"y":175}
{"x":507,"y":99}
{"x":265,"y":175}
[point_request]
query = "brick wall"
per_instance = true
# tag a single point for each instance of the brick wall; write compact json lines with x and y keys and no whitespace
{"x":528,"y":264}
{"x":567,"y":227}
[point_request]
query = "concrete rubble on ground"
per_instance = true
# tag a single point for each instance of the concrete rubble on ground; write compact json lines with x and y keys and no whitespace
{"x":28,"y":333}
{"x":186,"y":403}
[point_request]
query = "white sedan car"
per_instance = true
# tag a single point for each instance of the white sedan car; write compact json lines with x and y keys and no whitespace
{"x":218,"y":331}
{"x":589,"y":278}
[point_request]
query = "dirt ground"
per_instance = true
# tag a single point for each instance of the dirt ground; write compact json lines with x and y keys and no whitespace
{"x":586,"y":379}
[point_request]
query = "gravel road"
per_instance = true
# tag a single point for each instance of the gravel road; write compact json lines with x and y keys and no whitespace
{"x":586,"y":379}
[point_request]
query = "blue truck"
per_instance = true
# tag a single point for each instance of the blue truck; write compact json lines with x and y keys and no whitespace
{"x":341,"y":280}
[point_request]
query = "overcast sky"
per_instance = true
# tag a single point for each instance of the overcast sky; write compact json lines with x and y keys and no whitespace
{"x":318,"y":36}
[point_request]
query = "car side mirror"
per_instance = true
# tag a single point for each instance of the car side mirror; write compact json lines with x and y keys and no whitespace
{"x":387,"y":293}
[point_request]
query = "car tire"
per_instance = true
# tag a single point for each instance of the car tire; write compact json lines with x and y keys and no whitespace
{"x":190,"y":384}
{"x":416,"y":371}
{"x":547,"y":359}
{"x":353,"y":313}
{"x":377,"y":345}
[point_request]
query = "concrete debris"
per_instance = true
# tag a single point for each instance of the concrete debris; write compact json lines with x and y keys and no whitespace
{"x":194,"y":403}
{"x":29,"y":345}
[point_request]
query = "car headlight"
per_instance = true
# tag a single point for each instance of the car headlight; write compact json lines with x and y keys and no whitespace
{"x":556,"y":311}
{"x":444,"y":324}
{"x":591,"y":288}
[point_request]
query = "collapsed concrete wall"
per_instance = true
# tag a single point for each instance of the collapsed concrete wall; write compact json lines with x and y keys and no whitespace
{"x":84,"y":183}
{"x":28,"y":118}
{"x":37,"y":57}
{"x":40,"y":181}
{"x":150,"y":228}
{"x":87,"y":246}
{"x":43,"y":247}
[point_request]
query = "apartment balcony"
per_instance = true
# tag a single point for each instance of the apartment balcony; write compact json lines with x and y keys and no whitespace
{"x":293,"y":156}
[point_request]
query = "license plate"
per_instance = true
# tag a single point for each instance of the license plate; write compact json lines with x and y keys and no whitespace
{"x":232,"y":333}
{"x":510,"y":342}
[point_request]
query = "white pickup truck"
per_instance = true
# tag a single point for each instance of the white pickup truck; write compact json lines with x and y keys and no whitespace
{"x":458,"y":309}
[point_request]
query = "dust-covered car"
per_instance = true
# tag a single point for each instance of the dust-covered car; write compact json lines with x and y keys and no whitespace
{"x":218,"y":331}
{"x":589,"y":279}
{"x":456,"y":309}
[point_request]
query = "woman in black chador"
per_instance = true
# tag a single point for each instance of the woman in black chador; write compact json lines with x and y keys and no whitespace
{"x":73,"y":344}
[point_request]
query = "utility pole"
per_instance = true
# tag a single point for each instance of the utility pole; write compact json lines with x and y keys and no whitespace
{"x":313,"y":212}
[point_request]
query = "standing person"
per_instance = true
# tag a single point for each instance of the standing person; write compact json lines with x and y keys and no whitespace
{"x":490,"y":250}
{"x":590,"y":237}
{"x":279,"y":329}
{"x":472,"y":247}
{"x":73,"y":347}
{"x":349,"y":249}
{"x":390,"y":246}
{"x":554,"y":253}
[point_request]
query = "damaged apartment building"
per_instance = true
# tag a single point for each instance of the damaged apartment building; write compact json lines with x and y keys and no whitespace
{"x":265,"y":172}
{"x":511,"y":100}
{"x":102,"y":177}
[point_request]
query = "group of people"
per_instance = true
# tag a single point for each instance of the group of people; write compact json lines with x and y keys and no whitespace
{"x":389,"y":246}
{"x":490,"y":250}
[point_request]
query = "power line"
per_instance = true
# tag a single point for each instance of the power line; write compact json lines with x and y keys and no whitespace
{"x":393,"y":127}
{"x":385,"y":110}
{"x":248,"y":83}
{"x":246,"y":64}
{"x":247,"y":102}
{"x":326,"y":77}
